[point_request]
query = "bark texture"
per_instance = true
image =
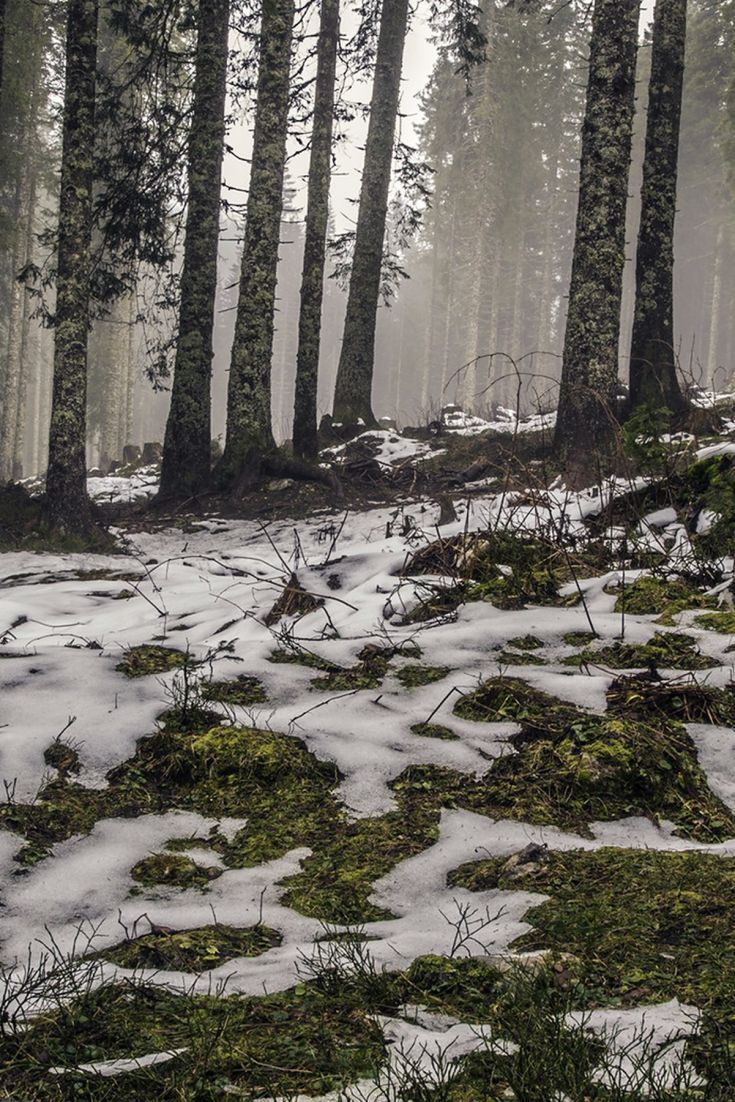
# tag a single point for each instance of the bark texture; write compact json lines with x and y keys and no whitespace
{"x":249,"y":392}
{"x":317,"y":218}
{"x":352,"y":399}
{"x":67,"y":504}
{"x":585,"y":421}
{"x":187,"y":446}
{"x":653,"y":379}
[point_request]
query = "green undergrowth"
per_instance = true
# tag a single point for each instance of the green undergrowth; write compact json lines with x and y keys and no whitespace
{"x":273,"y":1046}
{"x":147,"y":659}
{"x":413,"y":677}
{"x":667,"y":650}
{"x":173,"y":869}
{"x":685,"y":700}
{"x":195,"y":950}
{"x":666,"y":597}
{"x":505,"y":568}
{"x":723,"y":622}
{"x":282,"y":656}
{"x":369,"y":671}
{"x":632,"y":925}
{"x":520,"y":658}
{"x":434,"y":730}
{"x":242,"y":691}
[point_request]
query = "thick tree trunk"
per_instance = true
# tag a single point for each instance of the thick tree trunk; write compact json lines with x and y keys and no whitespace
{"x":67,"y":504}
{"x":2,"y":41}
{"x":352,"y":399}
{"x":653,"y":379}
{"x":187,"y":446}
{"x":317,"y":216}
{"x":585,"y":422}
{"x":249,"y":428}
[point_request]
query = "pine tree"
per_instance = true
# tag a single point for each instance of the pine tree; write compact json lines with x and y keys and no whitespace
{"x":186,"y":455}
{"x":317,"y":216}
{"x":585,"y":420}
{"x":67,"y":504}
{"x":249,"y":431}
{"x":353,"y":391}
{"x":653,"y":379}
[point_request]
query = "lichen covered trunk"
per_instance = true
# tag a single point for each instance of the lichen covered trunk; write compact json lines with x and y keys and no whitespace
{"x":187,"y":446}
{"x":586,"y":418}
{"x":352,"y":399}
{"x":67,"y":504}
{"x":653,"y":379}
{"x":317,"y":217}
{"x":249,"y":392}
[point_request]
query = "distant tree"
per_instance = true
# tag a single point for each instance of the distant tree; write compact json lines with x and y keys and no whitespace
{"x":67,"y":505}
{"x":585,"y":419}
{"x":653,"y":379}
{"x":353,"y":391}
{"x":249,"y":429}
{"x":186,"y":454}
{"x":317,"y":217}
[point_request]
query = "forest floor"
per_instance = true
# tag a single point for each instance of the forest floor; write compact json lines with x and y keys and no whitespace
{"x":349,"y":802}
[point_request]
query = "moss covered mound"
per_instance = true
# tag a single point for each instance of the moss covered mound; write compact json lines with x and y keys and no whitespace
{"x":639,"y":925}
{"x":434,"y":730}
{"x":413,"y":677}
{"x":149,"y":659}
{"x":193,"y":950}
{"x":648,"y":596}
{"x":174,"y":869}
{"x":242,"y":691}
{"x":510,"y":700}
{"x":723,"y":622}
{"x":301,"y":1042}
{"x":666,"y":650}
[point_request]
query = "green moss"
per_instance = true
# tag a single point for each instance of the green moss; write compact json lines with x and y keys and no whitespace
{"x":525,"y":642}
{"x":511,"y":658}
{"x":723,"y":622}
{"x":300,"y":1042}
{"x":62,"y":756}
{"x":670,"y":650}
{"x":434,"y":730}
{"x":242,"y":692}
{"x":413,"y":677}
{"x":579,"y":638}
{"x":173,"y":869}
{"x":669,"y":596}
{"x":149,"y":659}
{"x":640,"y":926}
{"x":193,"y":950}
{"x":303,"y":658}
{"x":510,"y":700}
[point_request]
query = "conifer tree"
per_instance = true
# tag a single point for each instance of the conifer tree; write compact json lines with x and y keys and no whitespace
{"x":317,"y":217}
{"x":67,"y":505}
{"x":186,"y":455}
{"x":585,"y":420}
{"x":653,"y":379}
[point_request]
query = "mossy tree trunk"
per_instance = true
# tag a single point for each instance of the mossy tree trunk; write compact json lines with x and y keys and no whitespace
{"x":586,"y":417}
{"x":67,"y":504}
{"x":249,"y":430}
{"x":653,"y":379}
{"x":187,"y":444}
{"x":353,"y":392}
{"x":317,"y":217}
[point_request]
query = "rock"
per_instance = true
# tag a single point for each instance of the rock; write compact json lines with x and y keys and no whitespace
{"x":387,"y":423}
{"x":447,"y":512}
{"x":152,"y":453}
{"x":131,"y":456}
{"x":520,"y":863}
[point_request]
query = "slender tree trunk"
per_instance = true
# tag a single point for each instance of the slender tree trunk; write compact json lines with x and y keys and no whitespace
{"x":187,"y":445}
{"x":249,"y":427}
{"x":653,"y":379}
{"x":353,"y":392}
{"x":2,"y":42}
{"x":714,"y":314}
{"x":67,"y":504}
{"x":317,"y":217}
{"x":585,"y":421}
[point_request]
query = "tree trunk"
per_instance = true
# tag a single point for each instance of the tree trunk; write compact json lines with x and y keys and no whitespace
{"x":2,"y":41}
{"x":653,"y":379}
{"x":67,"y":504}
{"x":187,"y":444}
{"x":585,"y":421}
{"x":317,"y":217}
{"x":249,"y":392}
{"x":714,"y":314}
{"x":353,"y":392}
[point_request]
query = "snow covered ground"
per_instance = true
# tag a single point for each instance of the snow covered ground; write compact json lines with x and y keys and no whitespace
{"x":66,"y":621}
